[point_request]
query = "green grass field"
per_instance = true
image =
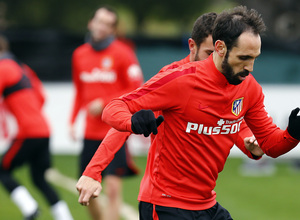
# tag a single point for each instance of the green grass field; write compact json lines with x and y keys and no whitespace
{"x":247,"y":198}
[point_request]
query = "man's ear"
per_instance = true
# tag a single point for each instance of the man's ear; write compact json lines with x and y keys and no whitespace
{"x":220,"y":48}
{"x":192,"y":46}
{"x":88,"y":26}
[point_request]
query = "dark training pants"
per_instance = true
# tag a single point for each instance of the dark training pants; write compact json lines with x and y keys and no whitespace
{"x":34,"y":152}
{"x":149,"y":211}
{"x":120,"y":166}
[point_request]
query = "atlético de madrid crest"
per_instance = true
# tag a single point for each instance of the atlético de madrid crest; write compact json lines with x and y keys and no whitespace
{"x":237,"y":106}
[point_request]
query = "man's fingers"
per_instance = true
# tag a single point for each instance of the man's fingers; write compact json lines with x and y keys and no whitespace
{"x":153,"y":126}
{"x":97,"y":192}
{"x":144,"y":122}
{"x":159,"y":120}
{"x":88,"y":188}
{"x":137,"y":125}
{"x":84,"y":198}
{"x":294,"y":113}
{"x":253,"y":141}
{"x":141,"y":127}
{"x":84,"y":203}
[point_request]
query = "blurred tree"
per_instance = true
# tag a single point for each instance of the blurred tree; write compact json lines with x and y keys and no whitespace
{"x":56,"y":14}
{"x":181,"y":13}
{"x":72,"y":15}
{"x":282,"y":20}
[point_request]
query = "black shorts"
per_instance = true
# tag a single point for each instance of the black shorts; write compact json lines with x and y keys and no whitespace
{"x":149,"y":211}
{"x":34,"y":151}
{"x":120,"y":166}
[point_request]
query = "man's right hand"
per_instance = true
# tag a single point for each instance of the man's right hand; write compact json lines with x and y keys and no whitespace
{"x":144,"y":122}
{"x":95,"y":107}
{"x":294,"y":124}
{"x":88,"y":188}
{"x":72,"y":132}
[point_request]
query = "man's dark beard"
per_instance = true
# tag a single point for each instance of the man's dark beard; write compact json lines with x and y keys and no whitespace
{"x":197,"y":55}
{"x":229,"y":74}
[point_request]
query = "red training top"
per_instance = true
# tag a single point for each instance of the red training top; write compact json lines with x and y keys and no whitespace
{"x":114,"y":140}
{"x":203,"y":114}
{"x":24,"y":98}
{"x":103,"y":74}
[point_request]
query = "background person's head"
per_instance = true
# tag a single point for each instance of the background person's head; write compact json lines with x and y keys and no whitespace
{"x":201,"y":43}
{"x":236,"y":36}
{"x":103,"y":23}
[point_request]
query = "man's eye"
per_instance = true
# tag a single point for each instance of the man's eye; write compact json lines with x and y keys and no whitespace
{"x":208,"y":52}
{"x":243,"y":58}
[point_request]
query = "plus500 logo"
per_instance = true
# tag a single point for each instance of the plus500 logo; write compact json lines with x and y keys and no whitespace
{"x":221,"y":129}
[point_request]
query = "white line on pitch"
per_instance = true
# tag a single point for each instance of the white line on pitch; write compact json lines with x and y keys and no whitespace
{"x":55,"y":177}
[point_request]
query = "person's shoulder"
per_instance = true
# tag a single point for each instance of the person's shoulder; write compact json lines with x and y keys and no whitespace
{"x":83,"y":48}
{"x":205,"y":67}
{"x":252,"y":88}
{"x":9,"y":63}
{"x":186,"y":70}
{"x":169,"y":67}
{"x":121,"y":45}
{"x":250,"y":80}
{"x":122,"y":52}
{"x":251,"y":85}
{"x":178,"y":74}
{"x":191,"y":66}
{"x":173,"y":65}
{"x":10,"y":70}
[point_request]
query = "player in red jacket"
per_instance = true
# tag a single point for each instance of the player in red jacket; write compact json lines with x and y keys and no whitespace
{"x":103,"y":68}
{"x":203,"y":105}
{"x":201,"y":47}
{"x":23,"y":96}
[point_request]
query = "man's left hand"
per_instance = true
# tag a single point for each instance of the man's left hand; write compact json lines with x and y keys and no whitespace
{"x":252,"y":145}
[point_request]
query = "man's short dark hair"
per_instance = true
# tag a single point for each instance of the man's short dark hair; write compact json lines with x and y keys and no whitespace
{"x":203,"y":27}
{"x":229,"y":25}
{"x":110,"y":9}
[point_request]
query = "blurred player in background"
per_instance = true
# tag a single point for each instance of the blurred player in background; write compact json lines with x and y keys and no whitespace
{"x":23,"y":96}
{"x":200,"y":46}
{"x":103,"y":68}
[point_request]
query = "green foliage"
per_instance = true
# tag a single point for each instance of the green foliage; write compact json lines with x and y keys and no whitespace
{"x":72,"y":15}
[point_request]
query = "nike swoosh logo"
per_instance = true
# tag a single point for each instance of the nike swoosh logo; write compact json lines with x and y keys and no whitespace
{"x":202,"y":106}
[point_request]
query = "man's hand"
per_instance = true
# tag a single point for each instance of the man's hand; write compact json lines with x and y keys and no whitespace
{"x":252,"y":145}
{"x":72,"y":132}
{"x":144,"y":122}
{"x":88,"y":188}
{"x":294,"y":124}
{"x":95,"y":107}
